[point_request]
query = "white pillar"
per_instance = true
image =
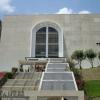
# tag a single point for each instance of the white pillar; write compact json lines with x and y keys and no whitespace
{"x":33,"y":43}
{"x":62,"y":98}
{"x":46,"y":41}
{"x":61,"y":44}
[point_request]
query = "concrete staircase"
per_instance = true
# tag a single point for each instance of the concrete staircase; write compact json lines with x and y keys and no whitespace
{"x":57,"y":76}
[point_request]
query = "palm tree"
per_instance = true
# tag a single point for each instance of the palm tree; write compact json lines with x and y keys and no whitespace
{"x":90,"y":54}
{"x":79,"y":56}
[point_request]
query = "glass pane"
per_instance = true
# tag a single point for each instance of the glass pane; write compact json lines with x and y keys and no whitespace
{"x":41,"y":35}
{"x":41,"y":38}
{"x":52,"y":42}
{"x":53,"y":50}
{"x":52,"y":30}
{"x":40,"y":50}
{"x":41,"y":42}
{"x":53,"y":38}
{"x":53,"y":35}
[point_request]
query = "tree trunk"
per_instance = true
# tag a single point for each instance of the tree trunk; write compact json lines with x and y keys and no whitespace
{"x":80,"y":64}
{"x":91,"y":63}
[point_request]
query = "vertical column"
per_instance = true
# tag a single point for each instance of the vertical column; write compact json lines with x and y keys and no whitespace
{"x":46,"y":41}
{"x":62,"y":98}
{"x":61,"y":44}
{"x":33,"y":43}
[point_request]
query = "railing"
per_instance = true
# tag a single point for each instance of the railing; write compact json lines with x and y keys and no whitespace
{"x":52,"y":60}
{"x":35,"y":59}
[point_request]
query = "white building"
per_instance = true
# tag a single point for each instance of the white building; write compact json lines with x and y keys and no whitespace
{"x":42,"y":43}
{"x":47,"y":36}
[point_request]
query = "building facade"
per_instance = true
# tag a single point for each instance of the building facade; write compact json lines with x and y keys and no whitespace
{"x":43,"y":43}
{"x":47,"y":36}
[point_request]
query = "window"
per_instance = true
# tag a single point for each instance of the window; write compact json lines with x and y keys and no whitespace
{"x":46,"y":42}
{"x":52,"y":42}
{"x":41,"y":42}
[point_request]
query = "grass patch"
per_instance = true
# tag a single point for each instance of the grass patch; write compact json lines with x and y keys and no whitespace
{"x":92,"y":88}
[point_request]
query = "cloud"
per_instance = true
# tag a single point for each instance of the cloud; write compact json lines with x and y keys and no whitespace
{"x":5,"y":6}
{"x":84,"y":12}
{"x":66,"y":10}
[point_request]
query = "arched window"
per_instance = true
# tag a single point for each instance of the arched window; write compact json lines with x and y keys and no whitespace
{"x":46,"y":42}
{"x":52,"y":42}
{"x":41,"y":42}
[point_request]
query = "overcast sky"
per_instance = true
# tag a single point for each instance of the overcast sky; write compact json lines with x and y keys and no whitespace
{"x":12,"y":7}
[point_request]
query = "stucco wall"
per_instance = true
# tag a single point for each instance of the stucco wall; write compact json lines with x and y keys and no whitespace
{"x":80,"y":32}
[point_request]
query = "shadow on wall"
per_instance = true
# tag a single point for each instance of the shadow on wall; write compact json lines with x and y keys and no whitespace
{"x":86,"y":63}
{"x":65,"y":49}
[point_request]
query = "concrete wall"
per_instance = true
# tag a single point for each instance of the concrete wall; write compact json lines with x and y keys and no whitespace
{"x":80,"y":32}
{"x":47,"y":95}
{"x":0,"y":27}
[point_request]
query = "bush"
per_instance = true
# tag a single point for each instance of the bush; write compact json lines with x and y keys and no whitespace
{"x":78,"y":77}
{"x":90,"y":54}
{"x":77,"y":73}
{"x":80,"y":84}
{"x":14,"y":70}
{"x":79,"y":56}
{"x":71,"y":63}
{"x":9,"y":75}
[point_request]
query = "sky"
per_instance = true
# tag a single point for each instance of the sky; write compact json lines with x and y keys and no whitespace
{"x":13,"y":7}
